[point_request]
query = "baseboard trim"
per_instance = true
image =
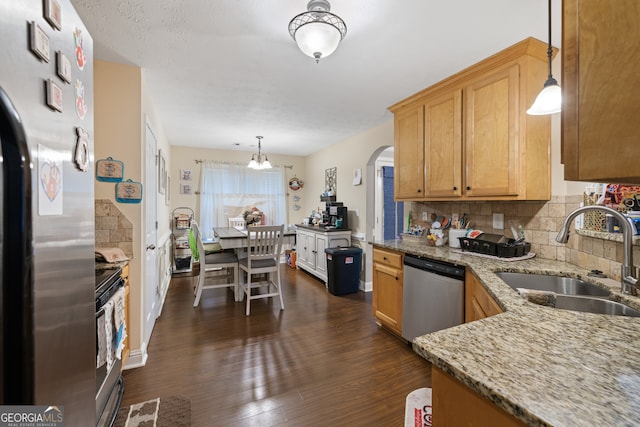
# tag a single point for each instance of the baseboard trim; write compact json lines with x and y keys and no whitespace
{"x":137,"y":358}
{"x":366,"y":286}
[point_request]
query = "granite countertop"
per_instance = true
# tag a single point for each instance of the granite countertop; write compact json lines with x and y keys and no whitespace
{"x":547,"y":367}
{"x":319,"y":228}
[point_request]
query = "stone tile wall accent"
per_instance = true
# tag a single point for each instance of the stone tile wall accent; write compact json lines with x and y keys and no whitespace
{"x":541,"y":221}
{"x":113,"y":229}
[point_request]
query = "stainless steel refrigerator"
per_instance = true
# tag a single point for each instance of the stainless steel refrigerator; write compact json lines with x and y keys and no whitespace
{"x":48,"y":336}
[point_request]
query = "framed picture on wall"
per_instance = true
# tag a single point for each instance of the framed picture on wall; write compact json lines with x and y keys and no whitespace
{"x":167,"y":194}
{"x":186,"y":188}
{"x":162,"y":173}
{"x":186,"y":174}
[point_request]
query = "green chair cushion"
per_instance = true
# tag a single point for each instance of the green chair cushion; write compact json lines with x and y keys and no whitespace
{"x":212,"y":248}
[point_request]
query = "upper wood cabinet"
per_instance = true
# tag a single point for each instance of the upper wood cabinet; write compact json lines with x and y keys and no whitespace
{"x":469,"y":137}
{"x":409,"y":157}
{"x":600,"y":90}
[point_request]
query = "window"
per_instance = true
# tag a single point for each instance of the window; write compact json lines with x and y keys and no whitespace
{"x":227,"y":190}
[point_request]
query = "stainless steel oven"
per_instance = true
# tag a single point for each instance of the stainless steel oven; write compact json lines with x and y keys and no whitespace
{"x":109,"y":382}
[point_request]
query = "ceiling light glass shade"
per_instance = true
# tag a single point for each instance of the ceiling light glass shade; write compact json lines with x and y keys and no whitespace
{"x":548,"y":101}
{"x":317,"y":31}
{"x":253,"y":164}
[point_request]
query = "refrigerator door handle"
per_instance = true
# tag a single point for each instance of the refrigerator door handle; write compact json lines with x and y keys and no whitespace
{"x":16,"y":280}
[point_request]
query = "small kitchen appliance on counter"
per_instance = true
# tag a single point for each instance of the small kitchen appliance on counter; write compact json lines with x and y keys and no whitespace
{"x":336,"y":216}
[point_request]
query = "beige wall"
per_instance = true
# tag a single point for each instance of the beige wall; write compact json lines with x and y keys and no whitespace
{"x":121,"y":109}
{"x":185,"y":157}
{"x":352,"y":153}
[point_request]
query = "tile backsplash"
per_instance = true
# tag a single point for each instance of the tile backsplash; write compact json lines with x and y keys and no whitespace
{"x":113,"y":229}
{"x":541,"y":221}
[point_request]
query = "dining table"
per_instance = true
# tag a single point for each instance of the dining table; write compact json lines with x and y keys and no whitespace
{"x":233,"y":238}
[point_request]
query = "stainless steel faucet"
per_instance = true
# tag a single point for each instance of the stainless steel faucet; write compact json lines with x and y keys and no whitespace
{"x":628,"y":282}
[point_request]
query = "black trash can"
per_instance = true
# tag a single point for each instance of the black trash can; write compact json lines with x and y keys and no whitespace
{"x":343,"y":269}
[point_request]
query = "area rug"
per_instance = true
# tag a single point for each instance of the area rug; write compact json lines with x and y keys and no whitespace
{"x":172,"y":411}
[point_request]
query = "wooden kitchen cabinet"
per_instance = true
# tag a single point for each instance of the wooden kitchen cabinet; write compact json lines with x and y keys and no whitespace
{"x":409,"y":157}
{"x":600,"y":90}
{"x":477,"y":141}
{"x":455,"y":404}
{"x":478,"y":303}
{"x":443,"y":144}
{"x":127,"y":349}
{"x":387,"y":288}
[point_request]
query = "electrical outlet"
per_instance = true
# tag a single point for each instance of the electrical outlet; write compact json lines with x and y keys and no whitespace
{"x":498,"y":221}
{"x":357,"y":212}
{"x":424,"y":216}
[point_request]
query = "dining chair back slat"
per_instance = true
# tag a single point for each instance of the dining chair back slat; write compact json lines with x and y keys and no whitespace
{"x":217,"y":270}
{"x":264,"y":245}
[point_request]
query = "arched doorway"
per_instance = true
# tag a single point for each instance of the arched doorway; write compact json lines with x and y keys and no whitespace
{"x":380,"y":201}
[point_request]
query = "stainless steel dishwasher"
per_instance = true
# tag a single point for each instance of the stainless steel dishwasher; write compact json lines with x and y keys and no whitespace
{"x":432,"y":296}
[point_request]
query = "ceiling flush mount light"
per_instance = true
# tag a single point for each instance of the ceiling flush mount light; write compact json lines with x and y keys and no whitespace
{"x":317,"y":31}
{"x":549,"y":100}
{"x":259,"y":161}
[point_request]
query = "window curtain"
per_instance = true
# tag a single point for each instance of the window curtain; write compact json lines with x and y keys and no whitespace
{"x":228,"y":189}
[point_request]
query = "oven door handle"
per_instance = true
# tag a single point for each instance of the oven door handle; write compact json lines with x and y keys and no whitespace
{"x":100,"y":312}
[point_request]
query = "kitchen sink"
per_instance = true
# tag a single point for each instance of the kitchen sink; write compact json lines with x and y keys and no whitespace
{"x":553,"y":283}
{"x":594,"y":305}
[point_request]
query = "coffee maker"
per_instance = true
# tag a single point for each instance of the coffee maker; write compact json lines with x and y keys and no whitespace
{"x":335,"y":215}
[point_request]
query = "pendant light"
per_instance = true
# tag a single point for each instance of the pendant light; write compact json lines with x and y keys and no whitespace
{"x":259,"y":161}
{"x":549,"y":100}
{"x":317,"y":31}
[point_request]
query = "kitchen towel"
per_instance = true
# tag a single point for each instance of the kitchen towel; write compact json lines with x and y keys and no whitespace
{"x":110,"y":254}
{"x":119,"y":321}
{"x":101,"y":333}
{"x":108,"y":327}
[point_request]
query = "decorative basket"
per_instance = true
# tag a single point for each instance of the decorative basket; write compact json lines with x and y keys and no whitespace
{"x":594,"y":220}
{"x":413,"y":239}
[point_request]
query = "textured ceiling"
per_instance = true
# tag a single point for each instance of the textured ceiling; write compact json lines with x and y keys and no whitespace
{"x":223,"y":71}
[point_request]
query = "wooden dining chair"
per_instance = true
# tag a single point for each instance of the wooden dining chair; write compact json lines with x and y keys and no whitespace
{"x":217,"y":270}
{"x":237,"y":222}
{"x":264,"y":244}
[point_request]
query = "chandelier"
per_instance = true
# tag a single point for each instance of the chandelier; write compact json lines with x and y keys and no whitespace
{"x":259,"y":161}
{"x":317,"y":31}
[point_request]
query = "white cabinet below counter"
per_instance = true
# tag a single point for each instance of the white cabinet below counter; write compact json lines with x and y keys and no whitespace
{"x":310,"y":245}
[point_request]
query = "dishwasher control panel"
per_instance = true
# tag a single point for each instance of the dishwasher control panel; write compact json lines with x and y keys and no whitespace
{"x":434,"y":266}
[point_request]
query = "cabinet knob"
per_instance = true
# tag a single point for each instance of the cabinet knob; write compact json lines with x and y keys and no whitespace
{"x":397,"y":278}
{"x":455,"y":188}
{"x":419,"y":190}
{"x":384,"y":258}
{"x":468,"y":188}
{"x":151,"y":247}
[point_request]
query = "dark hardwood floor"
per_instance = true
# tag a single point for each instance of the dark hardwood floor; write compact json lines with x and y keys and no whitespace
{"x":322,"y":361}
